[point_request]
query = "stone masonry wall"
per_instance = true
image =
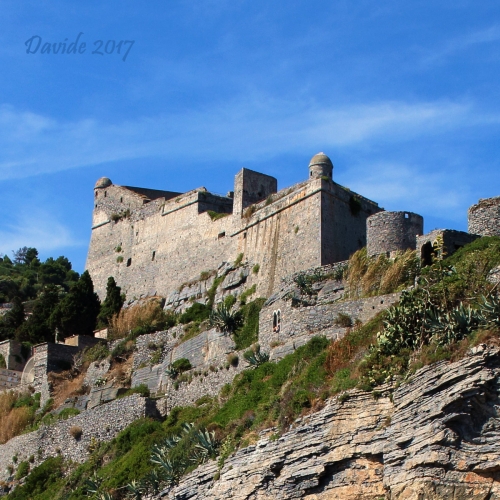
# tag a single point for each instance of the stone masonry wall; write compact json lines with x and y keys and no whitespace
{"x":299,"y":324}
{"x":484,"y":217}
{"x":11,"y":352}
{"x":102,"y":424}
{"x":388,"y":232}
{"x":164,"y":243}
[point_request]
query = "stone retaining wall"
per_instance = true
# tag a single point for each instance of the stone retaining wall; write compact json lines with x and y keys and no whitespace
{"x":101,"y":424}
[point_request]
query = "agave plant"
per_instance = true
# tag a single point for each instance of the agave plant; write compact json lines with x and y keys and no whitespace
{"x":171,"y":372}
{"x":225,"y":319}
{"x":92,"y":485}
{"x":489,"y":310}
{"x":451,"y":326}
{"x":135,"y":489}
{"x":255,"y":357}
{"x":152,"y":482}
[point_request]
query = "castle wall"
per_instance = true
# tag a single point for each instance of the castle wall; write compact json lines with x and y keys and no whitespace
{"x":389,"y":232}
{"x":343,"y":219}
{"x":484,"y":217}
{"x":161,"y":244}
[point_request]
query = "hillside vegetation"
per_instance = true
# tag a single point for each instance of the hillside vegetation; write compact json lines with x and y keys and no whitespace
{"x":452,"y":307}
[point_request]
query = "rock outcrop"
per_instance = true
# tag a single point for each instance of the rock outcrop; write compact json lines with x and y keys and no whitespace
{"x":437,"y":436}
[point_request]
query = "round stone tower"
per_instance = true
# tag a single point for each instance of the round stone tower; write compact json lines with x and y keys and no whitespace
{"x":484,"y":217}
{"x":320,"y":166}
{"x":388,"y":232}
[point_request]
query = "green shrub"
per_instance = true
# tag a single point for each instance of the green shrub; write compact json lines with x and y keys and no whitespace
{"x":197,"y":312}
{"x":67,"y":413}
{"x":181,"y":365}
{"x":343,"y":320}
{"x":248,"y":333}
{"x":22,"y":470}
{"x":42,"y":482}
{"x":216,"y":215}
{"x":256,"y":269}
{"x":239,"y":260}
{"x":96,"y":353}
{"x":247,"y":293}
{"x":3,"y":364}
{"x":141,"y":389}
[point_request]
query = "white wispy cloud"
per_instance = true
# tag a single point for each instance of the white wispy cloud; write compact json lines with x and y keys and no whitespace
{"x":39,"y":229}
{"x":486,"y":35}
{"x":31,"y":144}
{"x":398,"y":186}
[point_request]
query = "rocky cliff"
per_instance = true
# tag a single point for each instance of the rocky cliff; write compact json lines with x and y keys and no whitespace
{"x":434,"y":437}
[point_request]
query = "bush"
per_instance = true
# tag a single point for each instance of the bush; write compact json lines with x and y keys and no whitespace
{"x":225,"y":319}
{"x":233,"y":359}
{"x":96,"y":353}
{"x":22,"y":470}
{"x":68,"y":413}
{"x":343,"y":320}
{"x":141,"y":389}
{"x":197,"y":312}
{"x":247,"y":334}
{"x":3,"y":364}
{"x":76,"y":431}
{"x":182,"y":365}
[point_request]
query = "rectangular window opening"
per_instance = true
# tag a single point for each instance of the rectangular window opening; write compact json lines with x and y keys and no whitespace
{"x":129,"y":262}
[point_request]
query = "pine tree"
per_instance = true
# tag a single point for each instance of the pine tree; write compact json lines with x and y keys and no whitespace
{"x":76,"y":313}
{"x":112,"y":303}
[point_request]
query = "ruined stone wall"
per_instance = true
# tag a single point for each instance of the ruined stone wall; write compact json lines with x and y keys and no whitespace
{"x":388,"y":232}
{"x":484,"y":217}
{"x":442,"y":243}
{"x":11,"y":352}
{"x":102,"y":424}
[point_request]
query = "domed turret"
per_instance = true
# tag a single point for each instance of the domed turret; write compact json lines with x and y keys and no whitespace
{"x":320,"y":166}
{"x":103,"y":182}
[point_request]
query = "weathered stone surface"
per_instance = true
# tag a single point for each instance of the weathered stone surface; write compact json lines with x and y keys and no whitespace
{"x":437,"y":437}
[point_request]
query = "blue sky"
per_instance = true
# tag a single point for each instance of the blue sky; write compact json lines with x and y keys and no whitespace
{"x":403,"y":96}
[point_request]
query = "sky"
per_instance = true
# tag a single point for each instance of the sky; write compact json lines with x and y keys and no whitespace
{"x":404,"y":97}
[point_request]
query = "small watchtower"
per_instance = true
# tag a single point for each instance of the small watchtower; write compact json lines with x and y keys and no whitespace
{"x":320,"y":166}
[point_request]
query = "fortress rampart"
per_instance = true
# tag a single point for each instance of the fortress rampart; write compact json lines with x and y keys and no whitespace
{"x":152,"y":241}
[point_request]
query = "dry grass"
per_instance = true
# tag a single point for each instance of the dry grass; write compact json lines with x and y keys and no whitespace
{"x":65,"y":385}
{"x":380,"y":275}
{"x":12,"y":420}
{"x":339,"y":355}
{"x":133,"y":317}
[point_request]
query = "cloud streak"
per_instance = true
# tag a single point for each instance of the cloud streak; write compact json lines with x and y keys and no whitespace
{"x":42,"y":231}
{"x":32,"y":144}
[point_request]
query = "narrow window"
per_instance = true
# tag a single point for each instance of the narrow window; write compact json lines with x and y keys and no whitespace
{"x":153,"y":258}
{"x":105,"y":194}
{"x":407,"y":216}
{"x":244,"y":235}
{"x":129,"y":261}
{"x":221,"y":235}
{"x":96,"y":194}
{"x":121,"y":199}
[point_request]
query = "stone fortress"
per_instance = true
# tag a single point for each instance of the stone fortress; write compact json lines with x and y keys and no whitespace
{"x":256,"y":240}
{"x":152,"y":241}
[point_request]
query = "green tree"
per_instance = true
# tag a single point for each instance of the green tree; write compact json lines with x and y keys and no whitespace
{"x":38,"y":328}
{"x":76,"y":313}
{"x":12,"y":320}
{"x":112,"y":303}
